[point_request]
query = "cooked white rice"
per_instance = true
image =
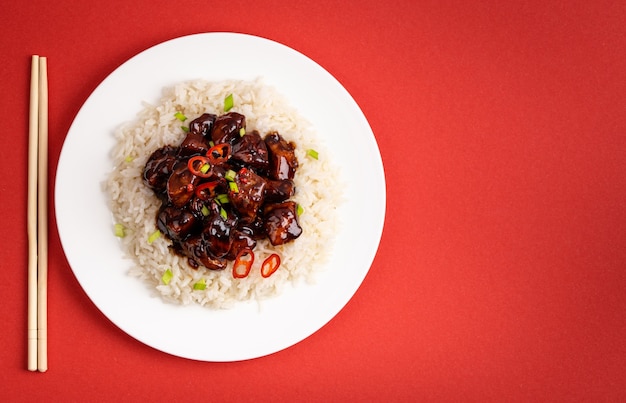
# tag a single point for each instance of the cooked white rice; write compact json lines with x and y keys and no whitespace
{"x":135,"y":206}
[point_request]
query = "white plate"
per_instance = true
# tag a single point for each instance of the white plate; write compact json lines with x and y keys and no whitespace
{"x":84,"y":220}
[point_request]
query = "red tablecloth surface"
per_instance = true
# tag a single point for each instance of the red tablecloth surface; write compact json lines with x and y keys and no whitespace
{"x":501,"y":272}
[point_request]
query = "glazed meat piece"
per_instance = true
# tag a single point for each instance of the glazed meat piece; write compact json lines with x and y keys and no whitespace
{"x":176,"y":223}
{"x":279,"y":190}
{"x":281,"y":222}
{"x":227,"y":128}
{"x":218,"y":178}
{"x":197,"y":250}
{"x":242,"y":239}
{"x":201,"y":209}
{"x":252,"y":151}
{"x":282,"y":158}
{"x":203,"y":125}
{"x":255,"y":228}
{"x":219,"y":233}
{"x":159,"y":167}
{"x":180,"y":185}
{"x":250,"y":194}
{"x":194,"y":144}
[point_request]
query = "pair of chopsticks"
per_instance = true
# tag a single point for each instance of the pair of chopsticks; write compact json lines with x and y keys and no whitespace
{"x":38,"y":216}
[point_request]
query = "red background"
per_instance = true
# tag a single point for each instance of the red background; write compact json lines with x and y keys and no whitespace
{"x":501,"y":271}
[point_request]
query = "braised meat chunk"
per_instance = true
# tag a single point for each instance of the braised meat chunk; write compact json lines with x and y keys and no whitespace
{"x":196,"y":249}
{"x":159,"y":168}
{"x":203,"y":125}
{"x":242,"y":239}
{"x":279,"y":190}
{"x":219,"y":232}
{"x":176,"y":223}
{"x":252,"y":151}
{"x":282,"y":157}
{"x":281,"y":222}
{"x":248,"y":194}
{"x":181,"y":185}
{"x":227,"y":128}
{"x":194,"y":144}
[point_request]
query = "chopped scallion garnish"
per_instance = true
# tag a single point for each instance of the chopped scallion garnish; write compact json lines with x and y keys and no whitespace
{"x":242,"y":132}
{"x":129,"y":159}
{"x":233,"y":187}
{"x":119,"y":231}
{"x":230,"y":175}
{"x":179,"y":115}
{"x":205,"y":211}
{"x":222,"y":198}
{"x":228,"y":103}
{"x":312,"y":153}
{"x":205,"y":168}
{"x":299,"y":209}
{"x":223,"y":214}
{"x":167,"y":276}
{"x":185,"y":129}
{"x":154,"y":236}
{"x":200,"y":285}
{"x":211,"y":143}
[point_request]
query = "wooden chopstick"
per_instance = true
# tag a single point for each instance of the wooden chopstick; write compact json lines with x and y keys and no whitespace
{"x":42,"y":219}
{"x":38,"y":216}
{"x":33,"y":145}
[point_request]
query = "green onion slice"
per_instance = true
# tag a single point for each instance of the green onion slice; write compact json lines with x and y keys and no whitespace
{"x":185,"y":129}
{"x":228,"y":103}
{"x":205,"y":211}
{"x":233,"y":187}
{"x":230,"y":175}
{"x":119,"y":231}
{"x":222,"y":198}
{"x":200,"y":285}
{"x":167,"y":276}
{"x":299,"y":209}
{"x":179,"y":115}
{"x":154,"y":236}
{"x":129,"y":159}
{"x":242,"y":132}
{"x":223,"y":214}
{"x":312,"y":153}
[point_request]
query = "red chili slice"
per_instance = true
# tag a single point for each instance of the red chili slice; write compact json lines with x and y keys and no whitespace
{"x":218,"y":154}
{"x":270,"y":265}
{"x":206,"y":190}
{"x":200,"y":166}
{"x":243,"y":263}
